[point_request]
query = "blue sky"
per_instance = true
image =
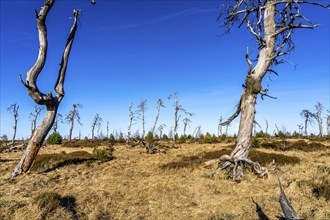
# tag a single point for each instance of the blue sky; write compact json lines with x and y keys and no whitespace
{"x":126,"y":51}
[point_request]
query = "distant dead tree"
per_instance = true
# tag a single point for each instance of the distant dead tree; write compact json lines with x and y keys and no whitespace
{"x":255,"y":124}
{"x":197,"y":132}
{"x":71,"y":117}
{"x":318,"y":116}
{"x":13,"y":109}
{"x":309,"y":117}
{"x":107,"y":129}
{"x":266,"y":127}
{"x":34,"y":117}
{"x":96,"y":124}
{"x":58,"y":118}
{"x":328,"y":122}
{"x":51,"y":102}
{"x":161,"y":129}
{"x":142,"y":109}
{"x":131,"y":122}
{"x":177,"y":117}
{"x":186,"y":122}
{"x":300,"y":128}
{"x":271,"y":24}
{"x":160,"y":104}
{"x":220,"y":126}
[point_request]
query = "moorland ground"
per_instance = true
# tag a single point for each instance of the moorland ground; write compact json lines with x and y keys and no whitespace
{"x":67,"y":182}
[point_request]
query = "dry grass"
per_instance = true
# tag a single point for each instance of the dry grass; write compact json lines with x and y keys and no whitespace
{"x":136,"y":185}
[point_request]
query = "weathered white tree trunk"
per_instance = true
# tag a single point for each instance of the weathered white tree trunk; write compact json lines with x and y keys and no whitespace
{"x":14,"y":110}
{"x":159,"y":105}
{"x":239,"y":157}
{"x":48,"y":100}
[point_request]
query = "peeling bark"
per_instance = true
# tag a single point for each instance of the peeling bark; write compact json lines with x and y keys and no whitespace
{"x":51,"y":103}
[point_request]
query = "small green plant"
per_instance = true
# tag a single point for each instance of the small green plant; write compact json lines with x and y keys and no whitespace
{"x":150,"y":137}
{"x":256,"y":143}
{"x":54,"y":138}
{"x":105,"y":154}
{"x":165,"y":137}
{"x":209,"y":139}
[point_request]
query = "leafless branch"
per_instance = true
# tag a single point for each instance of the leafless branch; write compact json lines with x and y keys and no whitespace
{"x":237,"y":112}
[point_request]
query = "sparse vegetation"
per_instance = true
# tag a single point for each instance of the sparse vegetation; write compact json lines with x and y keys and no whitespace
{"x":103,"y":154}
{"x":54,"y":138}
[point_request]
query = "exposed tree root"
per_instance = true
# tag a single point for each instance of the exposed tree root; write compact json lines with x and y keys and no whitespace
{"x":235,"y":166}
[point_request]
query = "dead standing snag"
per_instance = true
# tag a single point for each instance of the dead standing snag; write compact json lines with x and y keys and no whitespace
{"x":51,"y":102}
{"x":271,"y":23}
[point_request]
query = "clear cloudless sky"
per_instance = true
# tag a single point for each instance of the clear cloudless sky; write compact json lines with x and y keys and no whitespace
{"x":126,"y":51}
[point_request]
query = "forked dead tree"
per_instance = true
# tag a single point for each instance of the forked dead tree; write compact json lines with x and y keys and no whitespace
{"x":73,"y":116}
{"x":161,"y":129}
{"x":318,"y":116}
{"x":34,"y":117}
{"x":271,"y":23}
{"x":142,"y":109}
{"x":58,"y":118}
{"x":13,"y":109}
{"x":177,"y":117}
{"x":96,"y":124}
{"x":309,"y":117}
{"x":51,"y":102}
{"x":186,"y":122}
{"x":160,"y":104}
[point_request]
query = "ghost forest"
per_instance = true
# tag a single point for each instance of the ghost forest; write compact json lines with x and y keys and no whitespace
{"x":150,"y":174}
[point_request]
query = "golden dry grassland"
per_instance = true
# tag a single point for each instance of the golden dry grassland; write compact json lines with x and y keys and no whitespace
{"x":68,"y":183}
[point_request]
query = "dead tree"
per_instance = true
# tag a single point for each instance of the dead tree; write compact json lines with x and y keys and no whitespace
{"x":142,"y":109}
{"x":96,"y":124}
{"x":160,"y":104}
{"x":161,"y":129}
{"x":220,"y":126}
{"x":34,"y":117}
{"x":271,"y":23}
{"x":266,"y":127}
{"x":58,"y":118}
{"x":309,"y":118}
{"x":300,"y":128}
{"x":288,"y":210}
{"x":255,"y":124}
{"x":177,"y":115}
{"x":51,"y":102}
{"x":318,"y":116}
{"x":73,"y":116}
{"x":186,"y":122}
{"x":131,"y":122}
{"x":328,"y":122}
{"x":197,"y":132}
{"x":107,"y":129}
{"x":13,"y":109}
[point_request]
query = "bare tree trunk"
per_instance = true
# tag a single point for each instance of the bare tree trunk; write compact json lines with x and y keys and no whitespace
{"x":14,"y":110}
{"x":131,"y":119}
{"x":107,"y":129}
{"x":220,"y":126}
{"x":96,"y":123}
{"x":318,"y":116}
{"x":57,"y":119}
{"x":239,"y":157}
{"x":266,"y":127}
{"x":142,"y":110}
{"x":159,"y":105}
{"x":306,"y":123}
{"x":48,"y":100}
{"x":186,"y":121}
{"x":34,"y":118}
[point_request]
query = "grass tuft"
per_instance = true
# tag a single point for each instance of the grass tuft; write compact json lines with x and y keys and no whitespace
{"x":49,"y":162}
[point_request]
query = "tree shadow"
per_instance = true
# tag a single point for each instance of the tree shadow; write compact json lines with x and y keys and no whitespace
{"x":66,"y":163}
{"x":261,"y":214}
{"x":69,"y":204}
